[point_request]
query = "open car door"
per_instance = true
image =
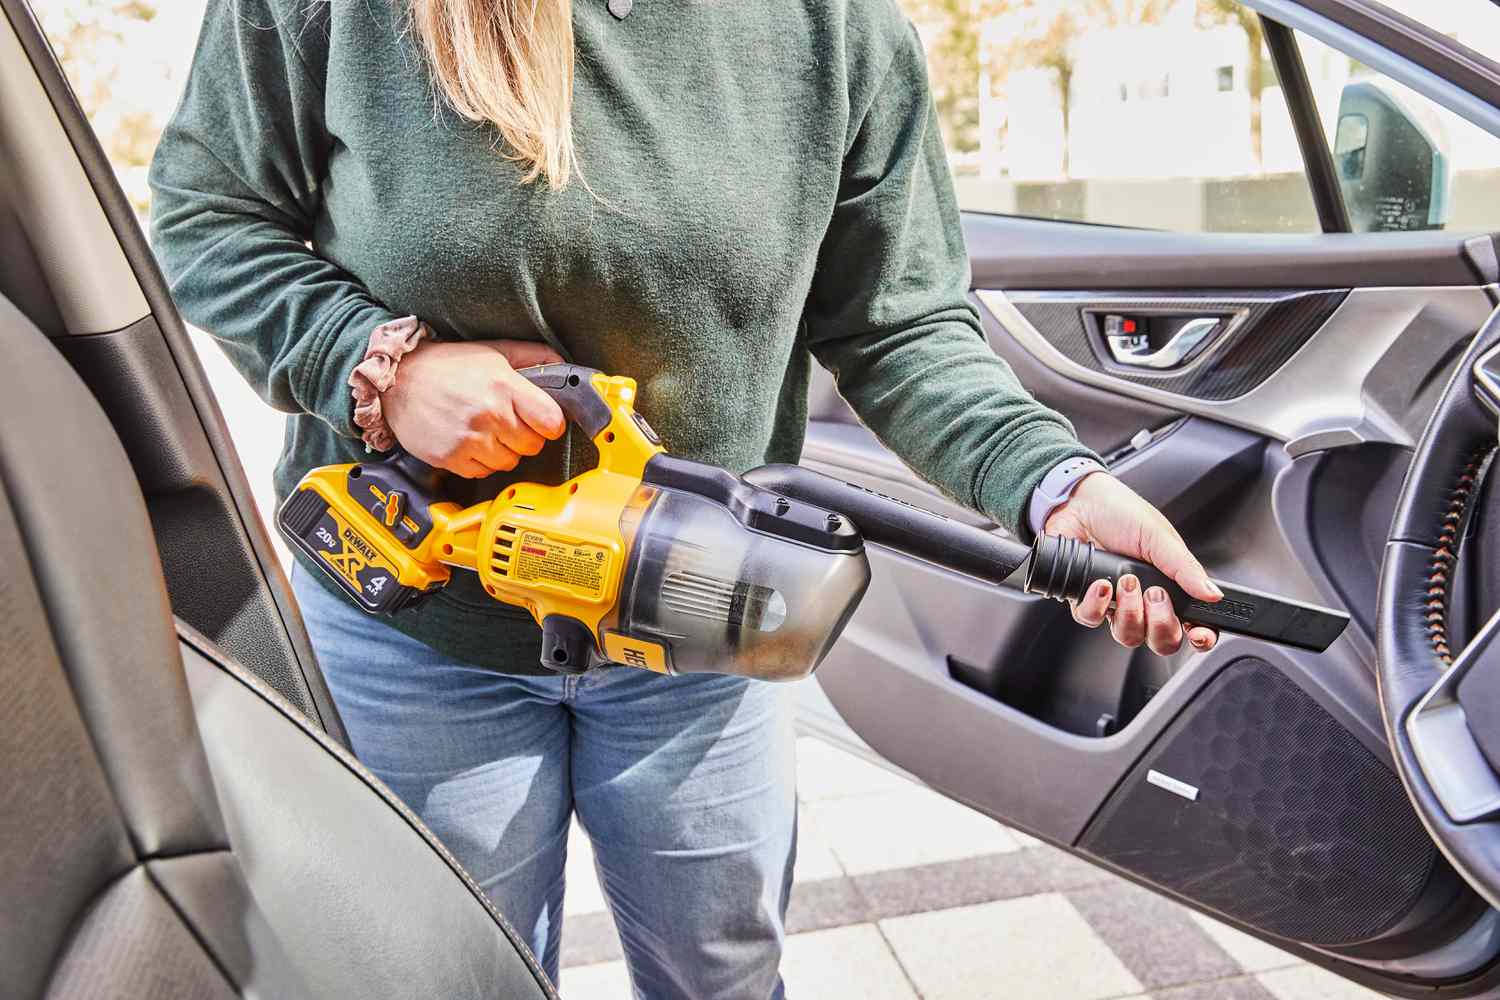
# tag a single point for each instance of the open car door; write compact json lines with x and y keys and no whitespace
{"x":1264,"y":391}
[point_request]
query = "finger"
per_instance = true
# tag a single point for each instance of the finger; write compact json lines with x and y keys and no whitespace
{"x":1090,"y":610}
{"x":495,"y":456}
{"x":514,"y":433}
{"x":1202,"y":639}
{"x":1163,"y":630}
{"x":1129,"y":622}
{"x":526,"y":353}
{"x":469,"y":468}
{"x":1166,"y":550}
{"x":538,"y":410}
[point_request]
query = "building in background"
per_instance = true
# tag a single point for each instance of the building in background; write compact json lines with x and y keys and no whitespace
{"x":1160,"y":113}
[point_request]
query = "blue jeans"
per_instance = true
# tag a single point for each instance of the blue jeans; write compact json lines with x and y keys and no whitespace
{"x":685,"y":785}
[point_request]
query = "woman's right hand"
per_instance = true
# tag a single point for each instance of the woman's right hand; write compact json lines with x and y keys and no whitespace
{"x":462,"y":407}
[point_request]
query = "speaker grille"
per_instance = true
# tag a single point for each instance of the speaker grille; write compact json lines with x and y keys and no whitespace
{"x":1297,"y":828}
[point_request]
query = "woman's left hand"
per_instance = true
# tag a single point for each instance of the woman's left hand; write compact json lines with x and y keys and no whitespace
{"x":1110,"y":514}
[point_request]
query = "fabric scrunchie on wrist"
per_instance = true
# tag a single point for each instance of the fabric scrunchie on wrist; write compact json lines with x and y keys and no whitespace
{"x":389,"y":343}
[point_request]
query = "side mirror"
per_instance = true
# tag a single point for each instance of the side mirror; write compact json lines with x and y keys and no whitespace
{"x":1390,"y":156}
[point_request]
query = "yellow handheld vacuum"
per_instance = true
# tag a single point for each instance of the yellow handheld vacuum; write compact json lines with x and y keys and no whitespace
{"x":676,"y":566}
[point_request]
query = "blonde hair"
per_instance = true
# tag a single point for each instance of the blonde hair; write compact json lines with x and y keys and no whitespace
{"x":507,"y":63}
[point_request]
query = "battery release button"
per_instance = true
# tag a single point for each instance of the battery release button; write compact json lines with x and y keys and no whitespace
{"x":393,"y":503}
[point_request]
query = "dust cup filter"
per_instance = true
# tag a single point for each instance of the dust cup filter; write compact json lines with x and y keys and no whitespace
{"x":723,"y":597}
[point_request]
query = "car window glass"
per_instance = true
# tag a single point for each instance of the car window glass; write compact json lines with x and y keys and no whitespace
{"x":1162,"y":114}
{"x":1404,"y":161}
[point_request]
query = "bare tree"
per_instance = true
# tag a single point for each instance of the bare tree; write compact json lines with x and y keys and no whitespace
{"x":116,"y":58}
{"x":1042,"y":33}
{"x":952,"y":30}
{"x":1248,"y":21}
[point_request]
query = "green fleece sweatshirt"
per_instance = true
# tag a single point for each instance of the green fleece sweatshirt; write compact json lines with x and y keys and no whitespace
{"x":771,"y":190}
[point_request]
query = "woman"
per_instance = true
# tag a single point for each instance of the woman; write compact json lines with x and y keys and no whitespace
{"x":705,"y":196}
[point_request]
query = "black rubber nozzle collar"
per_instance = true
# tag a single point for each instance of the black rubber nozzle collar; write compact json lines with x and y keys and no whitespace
{"x":1060,"y":568}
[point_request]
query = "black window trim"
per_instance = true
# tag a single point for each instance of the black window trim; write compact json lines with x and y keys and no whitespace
{"x":1317,"y":158}
{"x":1435,"y":52}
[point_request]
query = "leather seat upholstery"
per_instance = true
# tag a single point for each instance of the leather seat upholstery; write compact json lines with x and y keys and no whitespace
{"x":168,"y":826}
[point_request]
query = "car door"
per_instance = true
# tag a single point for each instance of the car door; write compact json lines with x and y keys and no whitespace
{"x":73,"y":259}
{"x":1253,"y":345}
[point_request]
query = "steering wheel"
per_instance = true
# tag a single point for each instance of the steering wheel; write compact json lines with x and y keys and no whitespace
{"x":1440,"y":704}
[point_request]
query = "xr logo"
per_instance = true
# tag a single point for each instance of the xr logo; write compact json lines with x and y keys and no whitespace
{"x":349,"y":562}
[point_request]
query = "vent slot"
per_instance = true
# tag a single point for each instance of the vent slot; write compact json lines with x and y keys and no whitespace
{"x":503,"y":547}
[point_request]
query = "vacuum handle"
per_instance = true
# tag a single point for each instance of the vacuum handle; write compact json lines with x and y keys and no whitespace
{"x":1063,"y":569}
{"x":573,"y":388}
{"x":428,"y":479}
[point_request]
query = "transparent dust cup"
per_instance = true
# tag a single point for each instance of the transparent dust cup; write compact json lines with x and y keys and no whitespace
{"x":724,"y":598}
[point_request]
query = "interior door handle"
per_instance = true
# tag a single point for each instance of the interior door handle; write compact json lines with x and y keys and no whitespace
{"x":1134,"y":350}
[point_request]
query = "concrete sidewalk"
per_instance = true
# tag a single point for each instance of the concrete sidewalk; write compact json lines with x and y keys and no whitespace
{"x":902,"y":894}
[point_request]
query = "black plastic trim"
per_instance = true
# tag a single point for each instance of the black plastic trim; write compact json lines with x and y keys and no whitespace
{"x":1007,"y":253}
{"x":1263,"y":330}
{"x":1415,"y":41}
{"x":1317,"y":160}
{"x":897,"y":524}
{"x":755,"y":502}
{"x":1483,"y":257}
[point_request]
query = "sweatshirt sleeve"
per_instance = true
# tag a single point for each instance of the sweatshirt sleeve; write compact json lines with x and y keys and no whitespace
{"x":236,"y":184}
{"x":888,"y":314}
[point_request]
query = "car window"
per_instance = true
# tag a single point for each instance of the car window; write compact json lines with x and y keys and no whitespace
{"x":1149,"y":113}
{"x":1403,"y":161}
{"x":126,"y":61}
{"x":1165,"y":137}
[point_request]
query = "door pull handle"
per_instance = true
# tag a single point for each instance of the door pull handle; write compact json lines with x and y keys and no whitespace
{"x":1134,"y":350}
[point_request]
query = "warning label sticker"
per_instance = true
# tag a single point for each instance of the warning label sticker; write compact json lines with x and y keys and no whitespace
{"x":578,"y":567}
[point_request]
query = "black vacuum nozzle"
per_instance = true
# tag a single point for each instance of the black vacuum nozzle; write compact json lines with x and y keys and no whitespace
{"x":1059,"y":568}
{"x":1063,"y":569}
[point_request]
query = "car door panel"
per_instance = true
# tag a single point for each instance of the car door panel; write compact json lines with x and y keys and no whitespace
{"x":1358,"y":380}
{"x":1281,"y":477}
{"x":1103,"y":420}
